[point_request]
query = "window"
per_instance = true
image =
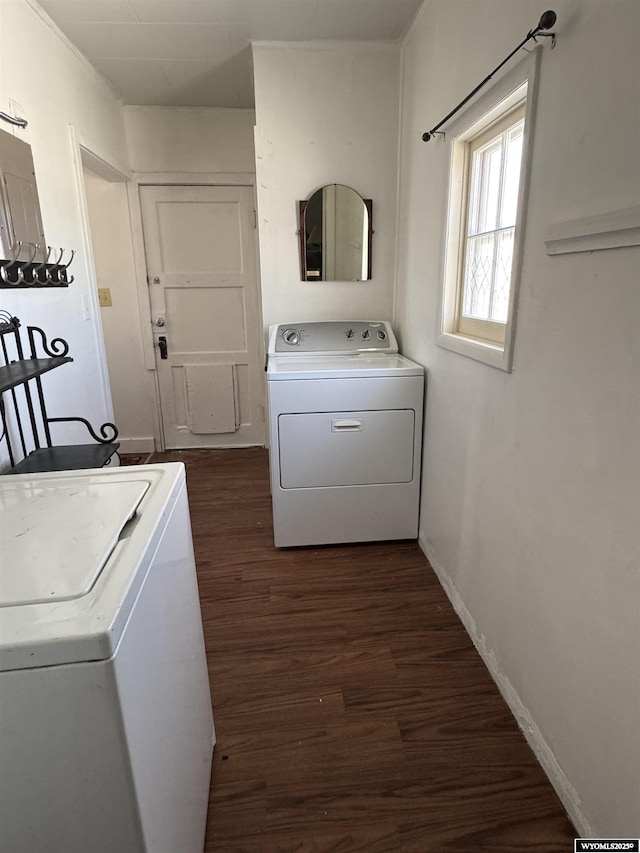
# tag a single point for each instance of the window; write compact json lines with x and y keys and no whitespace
{"x":492,"y":180}
{"x":490,"y":144}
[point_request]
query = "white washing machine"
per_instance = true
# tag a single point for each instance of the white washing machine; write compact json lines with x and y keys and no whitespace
{"x":345,"y":422}
{"x":106,"y":728}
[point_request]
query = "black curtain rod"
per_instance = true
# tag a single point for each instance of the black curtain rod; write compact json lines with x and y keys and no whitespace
{"x":547,"y":20}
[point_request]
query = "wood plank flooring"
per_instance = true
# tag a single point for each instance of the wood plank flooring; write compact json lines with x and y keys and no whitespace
{"x":352,"y":711}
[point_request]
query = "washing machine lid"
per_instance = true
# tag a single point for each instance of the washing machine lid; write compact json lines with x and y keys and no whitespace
{"x":359,"y":366}
{"x":56,"y":540}
{"x":75,"y":547}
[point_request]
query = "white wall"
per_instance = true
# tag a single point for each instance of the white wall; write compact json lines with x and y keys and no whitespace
{"x":199,"y":141}
{"x":56,"y":88}
{"x":132,"y":385}
{"x":531,"y":492}
{"x":326,"y":112}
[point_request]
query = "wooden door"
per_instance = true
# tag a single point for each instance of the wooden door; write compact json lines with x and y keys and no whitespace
{"x":200,"y":244}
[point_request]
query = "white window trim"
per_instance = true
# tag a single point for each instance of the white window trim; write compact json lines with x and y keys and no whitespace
{"x":505,"y":93}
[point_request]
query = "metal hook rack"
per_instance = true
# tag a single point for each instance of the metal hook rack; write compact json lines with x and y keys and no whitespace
{"x":19,"y":274}
{"x":19,"y":122}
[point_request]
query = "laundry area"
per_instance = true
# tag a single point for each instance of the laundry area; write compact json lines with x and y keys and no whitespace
{"x":319,"y":417}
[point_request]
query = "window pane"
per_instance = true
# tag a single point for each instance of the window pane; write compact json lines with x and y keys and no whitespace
{"x":504,"y":261}
{"x":489,"y":162}
{"x":476,"y":301}
{"x":493,"y":180}
{"x":514,"y":139}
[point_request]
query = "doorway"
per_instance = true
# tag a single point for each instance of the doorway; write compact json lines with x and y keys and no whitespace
{"x":110,"y":234}
{"x":201,"y":254}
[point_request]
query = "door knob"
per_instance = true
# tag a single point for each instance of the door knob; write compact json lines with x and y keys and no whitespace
{"x":162,"y":346}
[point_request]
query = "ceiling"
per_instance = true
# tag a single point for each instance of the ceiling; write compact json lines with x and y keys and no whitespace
{"x":197,"y":53}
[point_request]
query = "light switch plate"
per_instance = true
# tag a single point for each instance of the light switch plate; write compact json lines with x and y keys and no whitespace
{"x":104,"y":297}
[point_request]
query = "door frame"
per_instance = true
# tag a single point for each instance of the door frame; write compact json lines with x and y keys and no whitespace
{"x":180,"y":179}
{"x":83,"y":156}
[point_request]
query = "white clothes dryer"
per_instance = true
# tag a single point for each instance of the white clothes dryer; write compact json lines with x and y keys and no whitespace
{"x":345,"y":425}
{"x":106,"y":728}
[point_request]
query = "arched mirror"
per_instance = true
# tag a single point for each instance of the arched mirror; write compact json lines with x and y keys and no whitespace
{"x":335,"y":235}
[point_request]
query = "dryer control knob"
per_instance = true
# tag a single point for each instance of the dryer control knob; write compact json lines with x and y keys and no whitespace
{"x":291,"y":337}
{"x":349,"y":333}
{"x":366,"y":334}
{"x":382,"y":335}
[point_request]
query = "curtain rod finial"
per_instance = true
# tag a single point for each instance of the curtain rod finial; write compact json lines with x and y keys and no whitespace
{"x":547,"y":20}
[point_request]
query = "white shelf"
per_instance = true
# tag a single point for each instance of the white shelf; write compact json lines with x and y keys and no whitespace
{"x":593,"y":233}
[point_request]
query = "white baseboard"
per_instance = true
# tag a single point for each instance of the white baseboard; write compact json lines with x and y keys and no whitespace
{"x":569,"y":797}
{"x":136,"y":445}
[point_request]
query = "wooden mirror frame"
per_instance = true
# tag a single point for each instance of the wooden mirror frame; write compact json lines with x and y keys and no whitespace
{"x":302,"y":207}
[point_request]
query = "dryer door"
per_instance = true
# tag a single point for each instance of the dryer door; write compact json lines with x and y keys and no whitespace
{"x":346,"y":448}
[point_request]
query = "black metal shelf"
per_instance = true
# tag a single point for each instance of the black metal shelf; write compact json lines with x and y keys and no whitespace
{"x":25,"y":424}
{"x":70,"y":457}
{"x":19,"y":372}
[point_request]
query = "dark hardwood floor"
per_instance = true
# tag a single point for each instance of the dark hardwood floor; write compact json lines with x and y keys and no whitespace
{"x":352,"y":711}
